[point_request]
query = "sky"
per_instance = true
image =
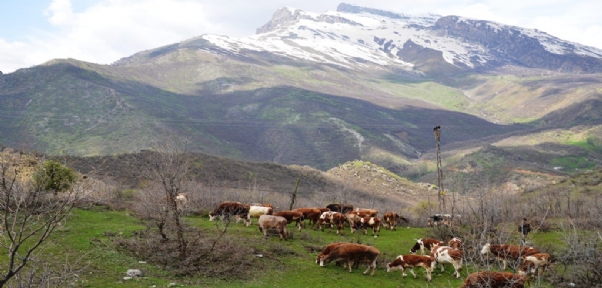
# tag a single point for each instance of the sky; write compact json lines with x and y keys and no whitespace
{"x":103,"y":31}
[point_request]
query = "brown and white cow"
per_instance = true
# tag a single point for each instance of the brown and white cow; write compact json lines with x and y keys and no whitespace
{"x":348,"y":252}
{"x":365,"y":223}
{"x":505,"y":252}
{"x":425,"y":244}
{"x":291,"y":216}
{"x":331,"y":219}
{"x":358,"y":214}
{"x":535,"y":263}
{"x":447,"y":254}
{"x":257,"y":211}
{"x":342,"y":208}
{"x":267,"y":222}
{"x":391,"y":219}
{"x":410,"y":261}
{"x":312,"y":214}
{"x":228,"y":209}
{"x":455,"y":243}
{"x":494,"y":280}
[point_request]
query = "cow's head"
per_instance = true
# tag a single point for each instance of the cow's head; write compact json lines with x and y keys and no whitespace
{"x":396,"y":264}
{"x":486,"y":249}
{"x":212,"y":216}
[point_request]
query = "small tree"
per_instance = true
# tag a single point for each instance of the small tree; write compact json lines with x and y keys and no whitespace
{"x":168,"y":167}
{"x":55,"y":177}
{"x":29,"y":213}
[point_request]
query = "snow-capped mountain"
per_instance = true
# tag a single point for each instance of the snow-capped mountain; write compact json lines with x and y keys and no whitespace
{"x":357,"y":37}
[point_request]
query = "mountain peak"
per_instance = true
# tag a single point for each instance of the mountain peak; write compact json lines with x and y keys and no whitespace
{"x":283,"y":17}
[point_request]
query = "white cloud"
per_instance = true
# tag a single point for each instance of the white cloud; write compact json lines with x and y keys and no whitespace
{"x":59,"y":12}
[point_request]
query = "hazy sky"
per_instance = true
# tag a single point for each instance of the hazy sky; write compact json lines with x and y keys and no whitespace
{"x":103,"y":31}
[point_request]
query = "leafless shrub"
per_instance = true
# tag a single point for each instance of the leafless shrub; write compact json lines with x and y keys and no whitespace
{"x":30,"y":216}
{"x":208,"y":255}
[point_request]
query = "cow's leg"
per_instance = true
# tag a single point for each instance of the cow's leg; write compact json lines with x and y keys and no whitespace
{"x":373,"y":266}
{"x":412,"y":271}
{"x":403,"y":271}
{"x":429,"y":270}
{"x":442,"y":265}
{"x":458,"y":267}
{"x":504,"y":264}
{"x":349,"y":264}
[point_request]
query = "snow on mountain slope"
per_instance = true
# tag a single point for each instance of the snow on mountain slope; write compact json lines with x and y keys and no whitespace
{"x":356,"y":37}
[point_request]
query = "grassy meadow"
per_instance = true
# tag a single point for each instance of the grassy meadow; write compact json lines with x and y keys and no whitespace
{"x":85,"y":241}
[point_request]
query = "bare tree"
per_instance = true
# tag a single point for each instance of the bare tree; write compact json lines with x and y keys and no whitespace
{"x":168,"y":166}
{"x":29,"y":213}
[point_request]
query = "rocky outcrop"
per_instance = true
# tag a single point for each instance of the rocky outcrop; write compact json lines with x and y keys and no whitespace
{"x":509,"y":45}
{"x":287,"y":16}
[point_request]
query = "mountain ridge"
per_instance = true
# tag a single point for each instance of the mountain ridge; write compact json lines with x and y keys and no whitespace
{"x":331,"y":100}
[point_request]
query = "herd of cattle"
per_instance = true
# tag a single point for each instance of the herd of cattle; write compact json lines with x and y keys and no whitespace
{"x":352,"y":254}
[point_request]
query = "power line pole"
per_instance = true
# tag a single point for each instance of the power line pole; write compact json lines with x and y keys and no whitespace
{"x":440,"y":190}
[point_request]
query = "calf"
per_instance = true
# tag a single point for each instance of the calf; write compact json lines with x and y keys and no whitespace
{"x":312,"y":214}
{"x":425,"y":244}
{"x":410,"y":261}
{"x":342,"y":208}
{"x":391,"y":219}
{"x":494,"y":280}
{"x":535,"y":263}
{"x":364,"y":223}
{"x":291,"y":216}
{"x":506,"y":252}
{"x":350,"y":251}
{"x":230,"y":208}
{"x":267,"y":222}
{"x":446,"y":254}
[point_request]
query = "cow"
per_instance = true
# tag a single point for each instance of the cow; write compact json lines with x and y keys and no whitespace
{"x":343,"y":208}
{"x":181,"y":201}
{"x":231,"y":208}
{"x":364,"y":223}
{"x":312,"y":214}
{"x":455,"y":243}
{"x":291,"y":216}
{"x":356,"y":215}
{"x":267,"y":222}
{"x":330,"y":218}
{"x":262,"y":205}
{"x":410,"y":261}
{"x":363,"y":212}
{"x":506,"y":252}
{"x":257,"y":211}
{"x":439,"y":219}
{"x":348,"y":252}
{"x":327,"y":251}
{"x":535,"y":263}
{"x":391,"y":219}
{"x":425,"y":244}
{"x":447,"y":254}
{"x":494,"y":280}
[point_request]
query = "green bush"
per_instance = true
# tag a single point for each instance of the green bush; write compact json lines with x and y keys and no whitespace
{"x":53,"y":176}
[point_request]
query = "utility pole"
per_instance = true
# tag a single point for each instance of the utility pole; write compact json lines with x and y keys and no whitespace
{"x":440,"y":190}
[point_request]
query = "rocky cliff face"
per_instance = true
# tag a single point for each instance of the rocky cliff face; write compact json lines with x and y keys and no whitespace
{"x":511,"y":45}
